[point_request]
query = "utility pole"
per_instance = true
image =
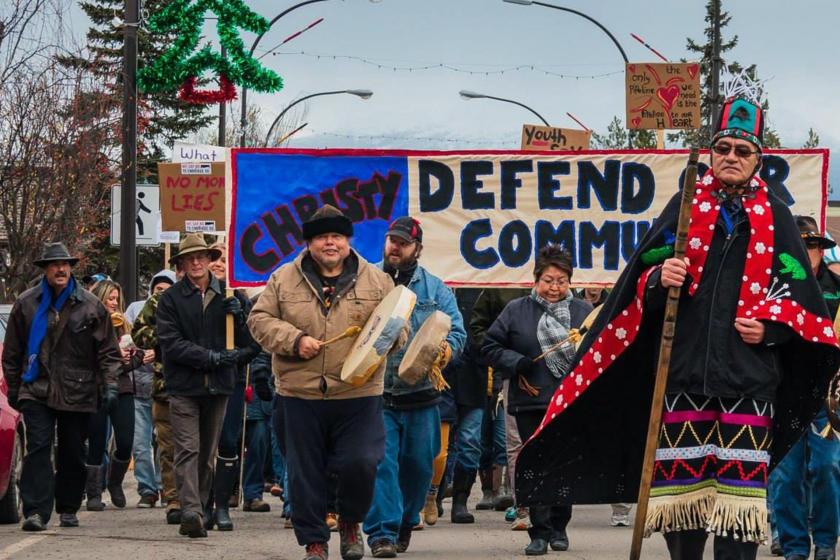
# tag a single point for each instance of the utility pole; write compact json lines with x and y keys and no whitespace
{"x":128,"y":208}
{"x":222,"y":113}
{"x":717,"y":63}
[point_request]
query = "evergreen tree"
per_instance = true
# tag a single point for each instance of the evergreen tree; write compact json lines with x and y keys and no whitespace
{"x":161,"y":117}
{"x":813,"y":140}
{"x":616,"y":137}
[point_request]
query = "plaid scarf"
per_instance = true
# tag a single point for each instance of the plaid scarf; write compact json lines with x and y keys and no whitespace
{"x":552,"y":328}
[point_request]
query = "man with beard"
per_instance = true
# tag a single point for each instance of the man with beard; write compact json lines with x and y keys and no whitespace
{"x":330,"y":428}
{"x":60,"y":350}
{"x":412,"y":418}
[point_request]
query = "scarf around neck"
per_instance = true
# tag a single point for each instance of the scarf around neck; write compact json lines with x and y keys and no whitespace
{"x":552,"y":328}
{"x":38,"y":329}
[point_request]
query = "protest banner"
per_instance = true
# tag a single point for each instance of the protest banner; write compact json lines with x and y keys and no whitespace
{"x":663,"y":95}
{"x":484,"y":213}
{"x":192,"y":196}
{"x":542,"y":138}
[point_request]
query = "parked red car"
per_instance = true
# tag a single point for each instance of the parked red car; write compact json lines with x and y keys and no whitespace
{"x":11,"y":442}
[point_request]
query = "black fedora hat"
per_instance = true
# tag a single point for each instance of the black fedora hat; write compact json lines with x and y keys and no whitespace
{"x":54,"y":252}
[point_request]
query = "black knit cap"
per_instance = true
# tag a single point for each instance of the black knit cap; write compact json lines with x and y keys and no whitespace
{"x":327,"y":219}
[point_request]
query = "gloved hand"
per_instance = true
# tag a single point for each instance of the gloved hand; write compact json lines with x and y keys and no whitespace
{"x":223,"y":357}
{"x":263,"y":389}
{"x":232,"y":306}
{"x":110,"y":397}
{"x":12,"y":397}
{"x":524,"y":365}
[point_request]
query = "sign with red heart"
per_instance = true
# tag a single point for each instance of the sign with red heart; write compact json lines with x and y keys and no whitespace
{"x":663,"y":95}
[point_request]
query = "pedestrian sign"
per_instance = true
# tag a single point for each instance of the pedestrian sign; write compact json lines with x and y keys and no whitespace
{"x":148,"y":215}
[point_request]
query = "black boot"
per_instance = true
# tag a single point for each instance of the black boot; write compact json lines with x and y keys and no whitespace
{"x":686,"y":545}
{"x":462,"y":483}
{"x":487,"y":496}
{"x":93,"y":488}
{"x":227,"y":473}
{"x":116,"y":474}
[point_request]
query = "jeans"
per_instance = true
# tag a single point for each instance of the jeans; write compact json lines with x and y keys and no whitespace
{"x":122,"y":420}
{"x":811,"y":466}
{"x":412,"y":441}
{"x":257,"y":442}
{"x":468,"y":444}
{"x":40,"y":485}
{"x":344,"y":439}
{"x":144,"y":465}
{"x":493,"y":446}
{"x":278,"y":463}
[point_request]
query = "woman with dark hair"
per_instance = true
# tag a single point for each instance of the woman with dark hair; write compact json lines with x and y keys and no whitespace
{"x":121,"y":415}
{"x":528,"y":327}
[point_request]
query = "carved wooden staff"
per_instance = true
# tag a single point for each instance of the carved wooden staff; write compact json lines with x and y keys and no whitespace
{"x":666,"y":342}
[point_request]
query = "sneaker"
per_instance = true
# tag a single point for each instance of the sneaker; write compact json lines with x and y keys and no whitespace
{"x":147,"y":501}
{"x":256,"y":505}
{"x":68,"y":520}
{"x":510,"y":514}
{"x":383,"y":548}
{"x":403,"y":539}
{"x":276,"y":490}
{"x":317,"y":551}
{"x":620,"y":520}
{"x":332,"y":521}
{"x":34,"y":523}
{"x":521,"y":523}
{"x":352,"y":546}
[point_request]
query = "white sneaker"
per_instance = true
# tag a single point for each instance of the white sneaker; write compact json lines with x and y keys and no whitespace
{"x":620,"y":520}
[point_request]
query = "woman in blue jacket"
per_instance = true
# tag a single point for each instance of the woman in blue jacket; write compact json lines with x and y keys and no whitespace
{"x":526,"y":328}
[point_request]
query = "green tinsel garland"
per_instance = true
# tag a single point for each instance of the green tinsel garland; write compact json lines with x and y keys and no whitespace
{"x":185,"y":18}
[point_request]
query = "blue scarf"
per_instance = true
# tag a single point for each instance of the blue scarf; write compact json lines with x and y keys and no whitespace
{"x":38,"y":329}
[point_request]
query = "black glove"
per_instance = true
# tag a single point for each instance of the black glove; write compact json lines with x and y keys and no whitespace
{"x":110,"y":398}
{"x":263,"y":389}
{"x":524,"y":366}
{"x":12,"y":397}
{"x":223,"y":357}
{"x":233,"y":306}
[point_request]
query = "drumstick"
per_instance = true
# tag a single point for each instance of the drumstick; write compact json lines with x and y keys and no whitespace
{"x":574,"y":336}
{"x":351,"y":331}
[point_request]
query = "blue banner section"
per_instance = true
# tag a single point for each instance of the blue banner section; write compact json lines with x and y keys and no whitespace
{"x":275,"y":193}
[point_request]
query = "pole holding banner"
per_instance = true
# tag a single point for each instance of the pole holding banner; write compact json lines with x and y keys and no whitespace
{"x":665,"y":345}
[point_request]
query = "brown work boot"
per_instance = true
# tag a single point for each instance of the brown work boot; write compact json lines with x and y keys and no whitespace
{"x":352,"y":545}
{"x":256,"y":505}
{"x":430,"y":510}
{"x":383,"y":548}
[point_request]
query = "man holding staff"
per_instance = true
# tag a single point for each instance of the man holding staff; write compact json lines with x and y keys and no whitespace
{"x":753,"y":352}
{"x":331,"y":427}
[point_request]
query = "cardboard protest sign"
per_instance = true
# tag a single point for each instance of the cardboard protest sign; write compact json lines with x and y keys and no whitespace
{"x":182,"y":152}
{"x":663,"y":95}
{"x":484,"y":214}
{"x":192,"y":196}
{"x":549,"y":138}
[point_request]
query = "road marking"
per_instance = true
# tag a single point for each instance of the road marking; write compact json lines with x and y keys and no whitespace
{"x":20,"y":545}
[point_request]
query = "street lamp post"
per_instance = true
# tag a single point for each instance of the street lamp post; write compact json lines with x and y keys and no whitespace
{"x":593,"y":20}
{"x":243,"y":117}
{"x":361,"y":93}
{"x":128,"y":200}
{"x":467,"y":95}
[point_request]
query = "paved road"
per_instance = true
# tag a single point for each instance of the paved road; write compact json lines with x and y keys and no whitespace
{"x":136,"y":533}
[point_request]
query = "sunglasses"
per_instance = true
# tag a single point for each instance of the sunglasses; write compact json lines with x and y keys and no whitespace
{"x":724,"y":149}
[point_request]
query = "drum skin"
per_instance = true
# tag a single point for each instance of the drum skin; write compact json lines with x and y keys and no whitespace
{"x":424,"y":347}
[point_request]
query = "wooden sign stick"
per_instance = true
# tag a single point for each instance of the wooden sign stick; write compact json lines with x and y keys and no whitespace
{"x":666,"y":343}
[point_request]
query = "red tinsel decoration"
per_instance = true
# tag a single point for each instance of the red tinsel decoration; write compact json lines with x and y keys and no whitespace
{"x":226,"y":92}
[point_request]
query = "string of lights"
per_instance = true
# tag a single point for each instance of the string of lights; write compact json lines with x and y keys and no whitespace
{"x":447,"y":66}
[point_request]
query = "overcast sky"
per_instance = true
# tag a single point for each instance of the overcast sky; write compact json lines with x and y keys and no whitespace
{"x":790,"y":42}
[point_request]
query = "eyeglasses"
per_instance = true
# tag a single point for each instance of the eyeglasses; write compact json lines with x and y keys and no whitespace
{"x":201,"y":255}
{"x":724,"y":149}
{"x":552,"y":282}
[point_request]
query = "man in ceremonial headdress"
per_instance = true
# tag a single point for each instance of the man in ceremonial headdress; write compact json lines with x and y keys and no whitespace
{"x":753,"y":354}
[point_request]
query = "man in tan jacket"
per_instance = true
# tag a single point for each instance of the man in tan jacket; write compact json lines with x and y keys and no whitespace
{"x":331,"y":428}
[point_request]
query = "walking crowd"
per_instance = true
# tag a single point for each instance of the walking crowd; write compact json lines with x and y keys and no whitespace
{"x":193,"y":403}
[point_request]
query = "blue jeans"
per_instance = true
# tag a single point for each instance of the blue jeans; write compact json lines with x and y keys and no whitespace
{"x":257,"y":442}
{"x":278,"y":463}
{"x":412,"y":441}
{"x":815,"y":462}
{"x":144,"y":465}
{"x":468,"y":443}
{"x":494,"y":448}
